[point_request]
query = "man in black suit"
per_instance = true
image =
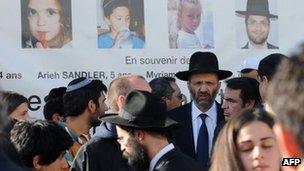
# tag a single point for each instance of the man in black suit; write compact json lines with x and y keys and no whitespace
{"x":202,"y":118}
{"x":257,"y":20}
{"x":141,"y":126}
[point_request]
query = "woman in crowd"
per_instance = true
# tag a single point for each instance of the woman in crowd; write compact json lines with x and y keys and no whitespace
{"x":17,"y":105}
{"x":46,"y":24}
{"x":247,"y":142}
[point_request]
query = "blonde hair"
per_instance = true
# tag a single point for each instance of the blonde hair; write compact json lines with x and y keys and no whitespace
{"x":180,"y":7}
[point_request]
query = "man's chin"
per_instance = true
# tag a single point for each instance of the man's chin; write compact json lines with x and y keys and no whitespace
{"x":203,"y":100}
{"x":259,"y":41}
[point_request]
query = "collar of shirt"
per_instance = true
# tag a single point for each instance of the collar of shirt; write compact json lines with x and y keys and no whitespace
{"x":251,"y":47}
{"x":210,"y":122}
{"x":77,"y":138}
{"x":72,"y":135}
{"x":212,"y":113}
{"x":158,"y":155}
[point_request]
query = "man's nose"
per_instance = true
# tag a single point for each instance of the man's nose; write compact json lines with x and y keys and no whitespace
{"x":122,"y":148}
{"x":224,"y":105}
{"x":106,"y":107}
{"x":203,"y":88}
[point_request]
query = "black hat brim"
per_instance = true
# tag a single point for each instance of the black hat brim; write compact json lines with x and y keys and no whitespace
{"x":257,"y":13}
{"x":117,"y":120}
{"x":184,"y":75}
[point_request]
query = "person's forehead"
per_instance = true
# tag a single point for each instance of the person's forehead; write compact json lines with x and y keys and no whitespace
{"x":232,"y":92}
{"x":121,"y":10}
{"x":191,"y":6}
{"x":121,"y":132}
{"x":255,"y":130}
{"x":209,"y":76}
{"x":257,"y":17}
{"x":36,"y":4}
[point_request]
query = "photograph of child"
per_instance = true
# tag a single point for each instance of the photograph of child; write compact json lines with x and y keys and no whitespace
{"x":190,"y":24}
{"x":46,"y":24}
{"x":122,"y":25}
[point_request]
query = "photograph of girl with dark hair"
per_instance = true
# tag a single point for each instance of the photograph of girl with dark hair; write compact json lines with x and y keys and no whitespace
{"x":46,"y":24}
{"x":124,"y":20}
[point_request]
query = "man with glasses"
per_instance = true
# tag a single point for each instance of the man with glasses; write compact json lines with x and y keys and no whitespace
{"x":257,"y":20}
{"x":202,"y":118}
{"x":166,"y":89}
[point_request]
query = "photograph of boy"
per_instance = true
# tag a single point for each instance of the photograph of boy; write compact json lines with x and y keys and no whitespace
{"x":46,"y":24}
{"x":122,"y":25}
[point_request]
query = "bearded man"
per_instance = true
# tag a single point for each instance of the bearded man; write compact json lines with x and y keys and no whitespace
{"x":202,"y":118}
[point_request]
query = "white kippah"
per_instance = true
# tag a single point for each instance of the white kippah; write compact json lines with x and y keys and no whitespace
{"x":78,"y":85}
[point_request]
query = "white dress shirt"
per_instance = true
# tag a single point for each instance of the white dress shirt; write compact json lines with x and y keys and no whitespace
{"x":210,"y":121}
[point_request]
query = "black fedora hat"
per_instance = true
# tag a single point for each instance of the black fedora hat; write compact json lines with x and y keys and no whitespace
{"x":203,"y":62}
{"x":257,"y":7}
{"x":142,"y":110}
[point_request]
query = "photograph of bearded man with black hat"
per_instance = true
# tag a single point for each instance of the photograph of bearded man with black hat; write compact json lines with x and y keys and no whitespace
{"x":257,"y":22}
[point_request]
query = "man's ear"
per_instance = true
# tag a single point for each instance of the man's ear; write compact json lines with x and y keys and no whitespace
{"x":249,"y":104}
{"x":56,"y":117}
{"x":264,"y":80}
{"x":166,"y":99}
{"x":188,"y":85}
{"x":219,"y":85}
{"x":140,"y":136}
{"x":36,"y":162}
{"x":120,"y":101}
{"x":91,"y":106}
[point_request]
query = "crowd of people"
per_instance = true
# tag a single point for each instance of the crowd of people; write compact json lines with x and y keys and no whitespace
{"x":258,"y":123}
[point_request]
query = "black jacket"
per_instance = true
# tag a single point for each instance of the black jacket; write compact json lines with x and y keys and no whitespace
{"x":175,"y":160}
{"x":101,"y":153}
{"x":183,"y":137}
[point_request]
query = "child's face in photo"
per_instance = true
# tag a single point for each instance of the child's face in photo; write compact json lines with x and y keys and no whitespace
{"x":190,"y":17}
{"x":119,"y":19}
{"x":44,"y":18}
